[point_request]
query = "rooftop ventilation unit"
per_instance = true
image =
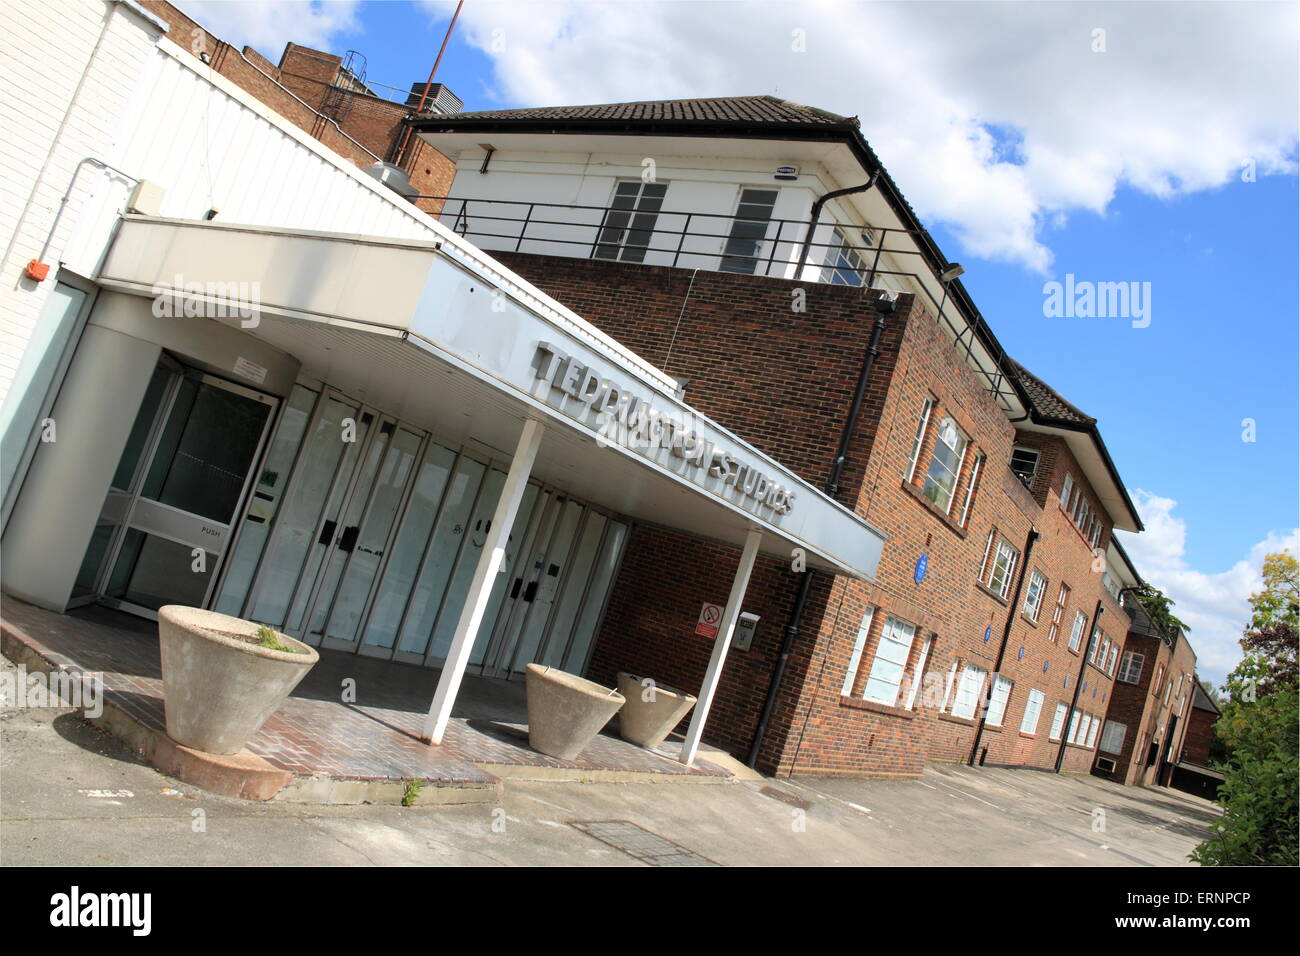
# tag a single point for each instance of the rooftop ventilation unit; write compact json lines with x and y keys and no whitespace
{"x":395,"y":178}
{"x":441,"y":100}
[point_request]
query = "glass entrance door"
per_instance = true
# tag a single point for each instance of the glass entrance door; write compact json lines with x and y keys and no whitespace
{"x":322,"y":561}
{"x":177,"y":488}
{"x":557,"y":594}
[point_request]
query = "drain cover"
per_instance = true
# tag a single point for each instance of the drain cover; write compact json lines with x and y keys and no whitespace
{"x":636,"y":841}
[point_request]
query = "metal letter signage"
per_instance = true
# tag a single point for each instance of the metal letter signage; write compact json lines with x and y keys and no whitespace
{"x":624,"y":418}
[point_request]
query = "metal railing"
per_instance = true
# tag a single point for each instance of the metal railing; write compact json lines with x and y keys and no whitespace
{"x":780,"y":248}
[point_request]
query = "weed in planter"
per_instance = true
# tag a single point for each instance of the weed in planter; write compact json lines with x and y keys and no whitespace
{"x":266,"y":637}
{"x":412,"y":792}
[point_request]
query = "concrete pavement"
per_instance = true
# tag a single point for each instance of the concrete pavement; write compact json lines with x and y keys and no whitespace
{"x":70,"y":794}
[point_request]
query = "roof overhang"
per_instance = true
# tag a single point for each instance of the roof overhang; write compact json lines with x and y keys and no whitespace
{"x":446,"y":338}
{"x":1084,"y":442}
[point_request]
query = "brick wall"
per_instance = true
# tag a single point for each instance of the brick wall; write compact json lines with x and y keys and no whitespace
{"x":784,"y":381}
{"x":1199,"y":737}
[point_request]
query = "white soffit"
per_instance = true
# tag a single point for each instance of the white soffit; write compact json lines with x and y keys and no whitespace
{"x":421,"y":333}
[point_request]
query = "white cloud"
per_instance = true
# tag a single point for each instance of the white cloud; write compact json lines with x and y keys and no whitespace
{"x":267,"y":27}
{"x":1215,"y":605}
{"x":1184,"y":94}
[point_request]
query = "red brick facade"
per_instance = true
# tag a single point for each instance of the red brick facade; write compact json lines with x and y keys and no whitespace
{"x":784,"y":381}
{"x":1154,"y":706}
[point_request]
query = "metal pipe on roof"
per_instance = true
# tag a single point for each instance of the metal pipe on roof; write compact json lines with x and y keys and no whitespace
{"x":817,"y":211}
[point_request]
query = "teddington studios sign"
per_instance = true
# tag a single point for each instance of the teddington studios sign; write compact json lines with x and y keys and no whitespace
{"x":627,"y":419}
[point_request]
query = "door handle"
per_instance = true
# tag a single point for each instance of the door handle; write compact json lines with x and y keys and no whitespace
{"x":326,"y":533}
{"x":348,"y":539}
{"x":531,"y":591}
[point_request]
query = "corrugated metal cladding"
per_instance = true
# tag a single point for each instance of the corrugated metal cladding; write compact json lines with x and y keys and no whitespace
{"x":208,"y":150}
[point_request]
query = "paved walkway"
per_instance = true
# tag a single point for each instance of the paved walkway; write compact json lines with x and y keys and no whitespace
{"x":317,"y":735}
{"x":70,"y":794}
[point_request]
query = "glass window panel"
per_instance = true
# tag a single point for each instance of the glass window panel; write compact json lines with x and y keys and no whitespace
{"x":404,"y":565}
{"x":601,"y":581}
{"x":441,"y":556}
{"x":294,"y":538}
{"x":509,"y":570}
{"x":242,"y":563}
{"x":575,"y":586}
{"x":372,"y":539}
{"x":551,"y":576}
{"x":152,"y":571}
{"x":208,"y":445}
{"x":144,"y":419}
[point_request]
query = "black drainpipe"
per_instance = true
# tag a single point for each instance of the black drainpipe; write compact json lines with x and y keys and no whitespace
{"x":832,"y":486}
{"x":1030,"y":539}
{"x":817,"y":212}
{"x":1078,"y":685}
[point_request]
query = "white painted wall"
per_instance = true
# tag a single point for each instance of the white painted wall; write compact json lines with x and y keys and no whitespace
{"x":67,"y":71}
{"x":701,"y":198}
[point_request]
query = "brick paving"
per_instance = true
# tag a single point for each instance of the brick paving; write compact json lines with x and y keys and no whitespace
{"x":317,"y":733}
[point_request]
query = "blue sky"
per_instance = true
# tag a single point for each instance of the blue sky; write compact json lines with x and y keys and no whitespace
{"x":1030,"y":153}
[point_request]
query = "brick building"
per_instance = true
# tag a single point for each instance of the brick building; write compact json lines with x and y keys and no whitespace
{"x":329,"y":99}
{"x":945,"y":587}
{"x":1000,"y":581}
{"x":1147,"y":722}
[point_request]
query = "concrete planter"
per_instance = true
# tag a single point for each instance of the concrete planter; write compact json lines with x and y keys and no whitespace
{"x":218,"y":690}
{"x":565,"y":712}
{"x":647,"y":722}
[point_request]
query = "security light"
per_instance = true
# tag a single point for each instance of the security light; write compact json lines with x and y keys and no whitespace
{"x":952,"y":272}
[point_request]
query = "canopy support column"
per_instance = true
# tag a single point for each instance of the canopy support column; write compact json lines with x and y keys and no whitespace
{"x":480,"y":589}
{"x":726,"y":627}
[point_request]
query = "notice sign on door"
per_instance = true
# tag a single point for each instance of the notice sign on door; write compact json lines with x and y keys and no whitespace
{"x":710,"y":615}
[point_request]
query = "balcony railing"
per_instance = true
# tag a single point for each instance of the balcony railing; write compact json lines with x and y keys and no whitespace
{"x":772,"y":247}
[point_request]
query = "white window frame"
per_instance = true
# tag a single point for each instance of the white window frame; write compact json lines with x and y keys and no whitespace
{"x":970,"y":489}
{"x":1108,"y":742}
{"x":1012,"y":558}
{"x":1033,"y":711}
{"x":1127,"y":662}
{"x":1027,"y":480}
{"x":999,"y":697}
{"x":1094,"y":724}
{"x":1076,"y":631}
{"x":969,"y":689}
{"x":1111,"y":657}
{"x":1072,"y":731}
{"x":1058,"y":720}
{"x":1058,"y":612}
{"x":1033,"y":605}
{"x":957,"y":450}
{"x":633,"y":225}
{"x":897,"y":636}
{"x":918,"y":675}
{"x":927,"y":409}
{"x":855,"y":660}
{"x":1067,"y":489}
{"x":948,"y":685}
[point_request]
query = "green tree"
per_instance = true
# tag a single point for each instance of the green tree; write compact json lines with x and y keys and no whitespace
{"x":1160,"y":607}
{"x":1261,"y":810}
{"x":1258,"y":796}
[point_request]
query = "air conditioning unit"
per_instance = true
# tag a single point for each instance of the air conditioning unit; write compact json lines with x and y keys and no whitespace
{"x":1106,"y":764}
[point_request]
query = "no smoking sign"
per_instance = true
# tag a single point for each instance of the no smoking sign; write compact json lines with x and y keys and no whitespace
{"x":710,"y":615}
